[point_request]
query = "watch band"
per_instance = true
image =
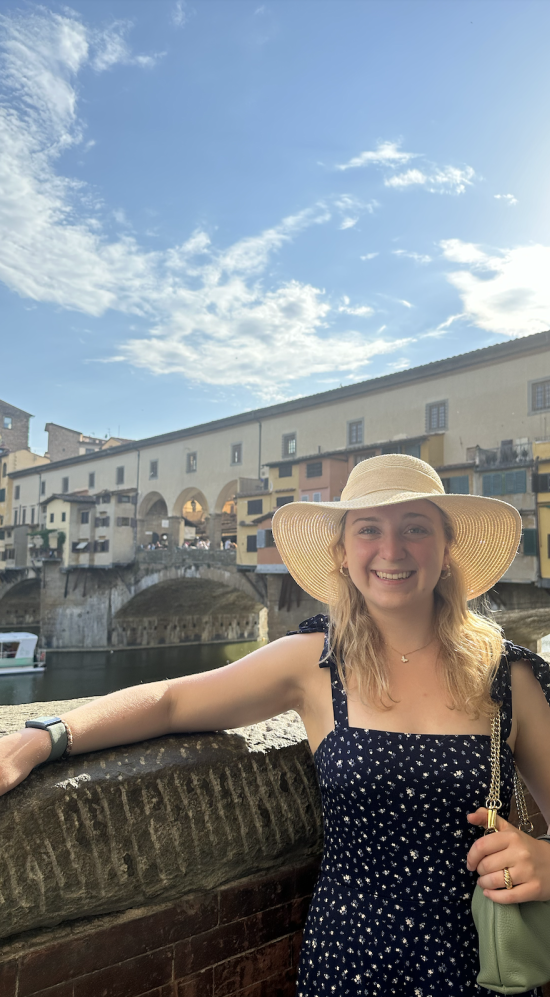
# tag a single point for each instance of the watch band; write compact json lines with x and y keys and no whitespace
{"x":57,"y":731}
{"x":543,"y":837}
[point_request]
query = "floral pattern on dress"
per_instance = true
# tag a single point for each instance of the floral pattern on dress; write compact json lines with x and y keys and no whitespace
{"x":391,"y":910}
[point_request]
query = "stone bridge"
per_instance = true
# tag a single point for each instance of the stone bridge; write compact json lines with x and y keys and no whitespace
{"x":163,"y":597}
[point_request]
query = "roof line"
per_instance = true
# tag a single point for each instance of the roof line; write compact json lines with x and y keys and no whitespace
{"x":487,"y":354}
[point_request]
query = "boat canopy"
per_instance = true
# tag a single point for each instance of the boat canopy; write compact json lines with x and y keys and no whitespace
{"x":26,"y":642}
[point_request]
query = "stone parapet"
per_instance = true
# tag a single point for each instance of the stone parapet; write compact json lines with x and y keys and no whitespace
{"x":155,"y":821}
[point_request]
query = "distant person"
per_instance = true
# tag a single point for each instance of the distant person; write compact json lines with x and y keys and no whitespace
{"x":397,"y":689}
{"x":227,"y":544}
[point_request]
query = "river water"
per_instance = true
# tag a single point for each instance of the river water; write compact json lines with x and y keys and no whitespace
{"x":74,"y":674}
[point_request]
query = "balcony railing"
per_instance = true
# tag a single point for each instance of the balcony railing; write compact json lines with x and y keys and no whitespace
{"x":508,"y":454}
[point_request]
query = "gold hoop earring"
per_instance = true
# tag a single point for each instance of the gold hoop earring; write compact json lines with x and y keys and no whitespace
{"x":446,"y":572}
{"x":344,"y":571}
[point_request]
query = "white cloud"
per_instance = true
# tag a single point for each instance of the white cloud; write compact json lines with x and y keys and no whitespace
{"x":348,"y":309}
{"x":512,"y":297}
{"x":209,"y":314}
{"x":348,"y":223}
{"x":508,"y":198}
{"x":417,"y":257}
{"x":369,"y":256}
{"x":439,"y":180}
{"x":399,"y":364}
{"x":403,"y":301}
{"x":110,"y":48}
{"x":433,"y":178}
{"x":386,"y":153}
{"x":180,"y":13}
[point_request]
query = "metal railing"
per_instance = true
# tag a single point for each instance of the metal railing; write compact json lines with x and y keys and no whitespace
{"x":506,"y":455}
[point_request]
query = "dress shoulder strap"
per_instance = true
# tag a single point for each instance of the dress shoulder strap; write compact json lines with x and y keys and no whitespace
{"x":320,"y":624}
{"x":501,"y":690}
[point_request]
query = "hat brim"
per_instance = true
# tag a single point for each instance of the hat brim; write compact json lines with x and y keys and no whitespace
{"x":487,"y":535}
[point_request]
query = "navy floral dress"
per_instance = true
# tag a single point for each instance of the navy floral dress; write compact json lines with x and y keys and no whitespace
{"x":391,"y":910}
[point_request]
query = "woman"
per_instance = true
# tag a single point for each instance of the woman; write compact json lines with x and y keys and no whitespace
{"x":398,"y":717}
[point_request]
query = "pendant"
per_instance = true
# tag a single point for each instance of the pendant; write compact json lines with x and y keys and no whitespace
{"x":403,"y":658}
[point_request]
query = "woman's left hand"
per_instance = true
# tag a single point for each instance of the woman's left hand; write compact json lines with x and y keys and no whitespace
{"x":526,"y":858}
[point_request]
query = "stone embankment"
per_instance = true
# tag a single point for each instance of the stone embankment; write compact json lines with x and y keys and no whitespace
{"x":179,"y":866}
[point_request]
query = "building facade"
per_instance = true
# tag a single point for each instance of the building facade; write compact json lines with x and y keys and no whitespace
{"x":477,"y":418}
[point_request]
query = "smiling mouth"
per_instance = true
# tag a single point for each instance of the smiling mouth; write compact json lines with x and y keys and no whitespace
{"x":393,"y":575}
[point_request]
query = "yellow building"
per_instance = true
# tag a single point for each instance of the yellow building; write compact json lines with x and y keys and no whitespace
{"x":12,"y":511}
{"x":540,"y":541}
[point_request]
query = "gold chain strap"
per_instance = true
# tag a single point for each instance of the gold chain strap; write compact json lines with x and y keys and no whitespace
{"x":493,"y":802}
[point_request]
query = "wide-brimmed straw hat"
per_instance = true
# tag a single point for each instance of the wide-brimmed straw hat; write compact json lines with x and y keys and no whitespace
{"x":487,"y":531}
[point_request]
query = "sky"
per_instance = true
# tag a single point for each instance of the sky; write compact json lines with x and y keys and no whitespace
{"x":214,"y":205}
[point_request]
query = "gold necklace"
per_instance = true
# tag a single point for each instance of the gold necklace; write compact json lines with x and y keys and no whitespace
{"x":404,"y":656}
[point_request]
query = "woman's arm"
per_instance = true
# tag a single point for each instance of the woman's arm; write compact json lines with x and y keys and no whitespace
{"x":527,"y":859}
{"x":258,"y":686}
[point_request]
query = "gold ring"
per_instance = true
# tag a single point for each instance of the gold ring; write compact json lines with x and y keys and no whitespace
{"x":508,"y":880}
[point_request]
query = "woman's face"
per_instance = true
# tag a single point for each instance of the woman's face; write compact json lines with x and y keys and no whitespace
{"x":395,"y":554}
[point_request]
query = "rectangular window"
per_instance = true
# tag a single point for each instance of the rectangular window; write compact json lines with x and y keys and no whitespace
{"x":124,"y":499}
{"x":63,"y":517}
{"x":305,"y":498}
{"x":436,"y":416}
{"x":285,"y":470}
{"x":251,"y":546}
{"x":153,"y":468}
{"x":15,"y":518}
{"x":2,"y":494}
{"x":507,"y":483}
{"x":236,"y":453}
{"x":289,"y":444}
{"x":2,"y":534}
{"x":23,"y":515}
{"x":91,"y":479}
{"x":541,"y":482}
{"x":123,"y":521}
{"x":120,"y":475}
{"x":101,"y":546}
{"x":316,"y":497}
{"x":457,"y":485}
{"x":17,"y":492}
{"x":80,"y":546}
{"x":530,"y":542}
{"x":254,"y":507}
{"x":32,"y":514}
{"x":84,"y":517}
{"x":42,"y":487}
{"x":314,"y":470}
{"x":540,"y":396}
{"x":64,"y":485}
{"x":283,"y":500}
{"x":412,"y":449}
{"x":4,"y":470}
{"x":7,"y":422}
{"x":104,"y":499}
{"x":191,"y":463}
{"x":51,"y":517}
{"x":355,"y":432}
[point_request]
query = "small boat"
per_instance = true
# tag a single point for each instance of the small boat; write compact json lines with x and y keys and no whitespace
{"x":18,"y":654}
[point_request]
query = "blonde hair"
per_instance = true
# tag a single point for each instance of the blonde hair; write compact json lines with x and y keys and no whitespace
{"x":471,"y":645}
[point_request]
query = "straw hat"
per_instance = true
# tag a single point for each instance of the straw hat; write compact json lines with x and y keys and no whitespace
{"x":487,"y":531}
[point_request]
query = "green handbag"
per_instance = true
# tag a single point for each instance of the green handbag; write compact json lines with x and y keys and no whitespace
{"x":514,"y":939}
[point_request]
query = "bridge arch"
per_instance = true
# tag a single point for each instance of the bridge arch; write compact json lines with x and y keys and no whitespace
{"x":188,"y":603}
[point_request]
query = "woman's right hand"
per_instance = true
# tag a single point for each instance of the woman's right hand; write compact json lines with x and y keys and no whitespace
{"x":20,"y":753}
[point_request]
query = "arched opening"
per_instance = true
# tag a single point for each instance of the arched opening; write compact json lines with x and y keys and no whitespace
{"x":153,"y":521}
{"x":188,"y":610}
{"x":20,"y":607}
{"x":226,"y":508}
{"x":191,"y":506}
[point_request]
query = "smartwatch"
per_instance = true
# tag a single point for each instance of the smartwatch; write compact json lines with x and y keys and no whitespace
{"x":57,"y":731}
